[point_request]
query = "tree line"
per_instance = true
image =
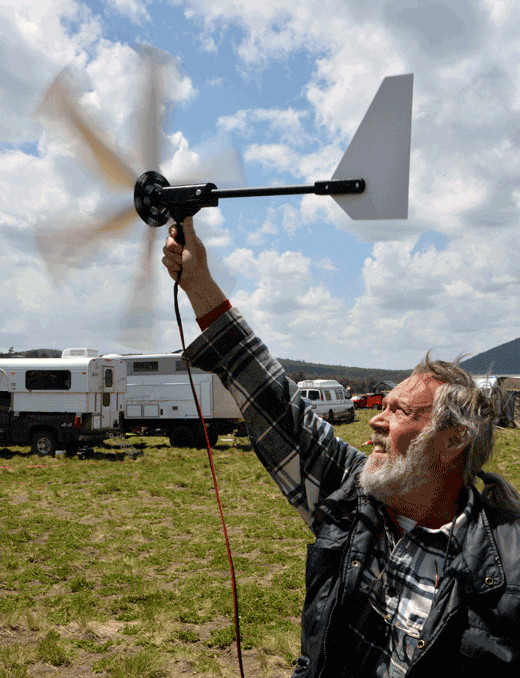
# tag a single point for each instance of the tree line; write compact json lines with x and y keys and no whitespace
{"x":32,"y":353}
{"x":358,"y":379}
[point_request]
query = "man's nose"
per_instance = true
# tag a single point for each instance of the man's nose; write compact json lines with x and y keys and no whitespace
{"x":378,"y":422}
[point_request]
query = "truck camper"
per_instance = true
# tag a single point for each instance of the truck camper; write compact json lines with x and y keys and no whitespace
{"x":60,"y":403}
{"x":159,"y":397}
{"x":328,"y":398}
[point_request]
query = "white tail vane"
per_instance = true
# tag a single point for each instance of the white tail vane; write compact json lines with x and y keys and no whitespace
{"x":380,"y":153}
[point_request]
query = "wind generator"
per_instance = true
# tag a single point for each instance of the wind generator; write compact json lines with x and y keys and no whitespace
{"x":370,"y":182}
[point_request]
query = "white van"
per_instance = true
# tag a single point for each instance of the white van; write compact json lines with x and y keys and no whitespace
{"x":329,"y":399}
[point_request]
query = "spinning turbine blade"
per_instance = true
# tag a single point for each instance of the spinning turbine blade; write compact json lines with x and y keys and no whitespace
{"x":149,"y":141}
{"x":61,"y":105}
{"x":65,"y":245}
{"x":380,"y":153}
{"x":139,"y":320}
{"x":216,"y":160}
{"x":138,"y":325}
{"x":69,"y":243}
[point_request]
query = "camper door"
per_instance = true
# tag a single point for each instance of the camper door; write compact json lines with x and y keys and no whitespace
{"x":108,"y":398}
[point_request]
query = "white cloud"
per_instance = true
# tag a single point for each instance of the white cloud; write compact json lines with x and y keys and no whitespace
{"x":36,"y":42}
{"x":286,"y":124}
{"x":132,"y":9}
{"x":325,"y":264}
{"x":279,"y":157}
{"x":287,"y":308}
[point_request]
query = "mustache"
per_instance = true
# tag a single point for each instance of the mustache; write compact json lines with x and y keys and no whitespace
{"x":378,"y":439}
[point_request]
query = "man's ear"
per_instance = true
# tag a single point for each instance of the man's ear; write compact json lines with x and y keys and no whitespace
{"x":454,"y":442}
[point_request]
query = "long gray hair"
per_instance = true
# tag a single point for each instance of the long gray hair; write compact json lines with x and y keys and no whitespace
{"x":461,"y":405}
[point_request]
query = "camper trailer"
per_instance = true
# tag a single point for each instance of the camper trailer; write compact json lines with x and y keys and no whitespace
{"x":159,"y":397}
{"x":60,"y":403}
{"x":328,"y":399}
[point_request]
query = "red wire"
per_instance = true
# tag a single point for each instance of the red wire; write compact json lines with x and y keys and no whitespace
{"x":212,"y":467}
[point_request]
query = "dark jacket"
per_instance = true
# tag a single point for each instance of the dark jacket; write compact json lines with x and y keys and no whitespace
{"x":474,"y":625}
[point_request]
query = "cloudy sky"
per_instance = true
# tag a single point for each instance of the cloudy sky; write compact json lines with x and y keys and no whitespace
{"x":290,"y":82}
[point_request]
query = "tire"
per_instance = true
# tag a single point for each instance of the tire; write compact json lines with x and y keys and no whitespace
{"x":375,"y":407}
{"x":213,"y":438}
{"x":199,"y":439}
{"x":44,"y":443}
{"x":330,"y":418}
{"x":181,"y":436}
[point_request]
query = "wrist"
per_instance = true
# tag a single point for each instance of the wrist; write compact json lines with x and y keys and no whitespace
{"x":204,"y":298}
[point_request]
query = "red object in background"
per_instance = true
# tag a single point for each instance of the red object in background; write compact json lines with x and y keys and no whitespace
{"x":372,"y":401}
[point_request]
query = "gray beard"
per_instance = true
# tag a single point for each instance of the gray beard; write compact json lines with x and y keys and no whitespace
{"x":403,"y":474}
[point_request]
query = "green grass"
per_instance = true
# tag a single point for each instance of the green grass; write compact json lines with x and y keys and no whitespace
{"x":113,"y":567}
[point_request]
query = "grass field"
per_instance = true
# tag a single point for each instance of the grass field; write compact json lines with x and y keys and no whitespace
{"x":117,"y":567}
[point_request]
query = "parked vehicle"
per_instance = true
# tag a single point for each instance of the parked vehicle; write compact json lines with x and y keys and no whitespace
{"x":372,"y":401}
{"x":60,"y":403}
{"x":328,"y":398}
{"x":159,"y":398}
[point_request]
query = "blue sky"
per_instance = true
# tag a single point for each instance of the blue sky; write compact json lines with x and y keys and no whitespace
{"x":291,"y":82}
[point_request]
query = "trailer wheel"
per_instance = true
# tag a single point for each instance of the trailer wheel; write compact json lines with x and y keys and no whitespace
{"x":181,"y":436}
{"x":43,"y":443}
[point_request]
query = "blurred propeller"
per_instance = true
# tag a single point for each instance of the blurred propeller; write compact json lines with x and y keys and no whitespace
{"x":66,"y":243}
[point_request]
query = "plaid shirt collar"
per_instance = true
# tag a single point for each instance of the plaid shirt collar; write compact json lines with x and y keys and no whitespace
{"x":391,"y":521}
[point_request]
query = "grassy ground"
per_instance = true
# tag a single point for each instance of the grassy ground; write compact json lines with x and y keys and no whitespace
{"x":117,"y":568}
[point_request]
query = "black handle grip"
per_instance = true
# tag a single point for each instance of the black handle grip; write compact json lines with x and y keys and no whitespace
{"x":180,"y":234}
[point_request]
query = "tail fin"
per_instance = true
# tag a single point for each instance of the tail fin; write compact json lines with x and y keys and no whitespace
{"x":379,"y":153}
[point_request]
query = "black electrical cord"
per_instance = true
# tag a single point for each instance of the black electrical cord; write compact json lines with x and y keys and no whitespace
{"x":210,"y":457}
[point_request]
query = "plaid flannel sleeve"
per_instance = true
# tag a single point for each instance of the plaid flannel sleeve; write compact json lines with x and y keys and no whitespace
{"x":297,"y":447}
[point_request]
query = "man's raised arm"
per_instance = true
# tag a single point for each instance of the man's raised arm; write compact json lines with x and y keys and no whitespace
{"x":299,"y":449}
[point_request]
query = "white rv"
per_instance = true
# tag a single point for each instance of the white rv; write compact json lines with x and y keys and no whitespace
{"x":328,"y":398}
{"x":60,"y":403}
{"x":159,"y":397}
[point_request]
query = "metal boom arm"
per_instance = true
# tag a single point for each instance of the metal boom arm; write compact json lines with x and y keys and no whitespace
{"x":155,"y":200}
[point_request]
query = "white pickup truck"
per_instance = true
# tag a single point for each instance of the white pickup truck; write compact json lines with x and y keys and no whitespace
{"x":60,"y":403}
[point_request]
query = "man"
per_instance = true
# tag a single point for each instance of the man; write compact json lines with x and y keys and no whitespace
{"x":413,"y":572}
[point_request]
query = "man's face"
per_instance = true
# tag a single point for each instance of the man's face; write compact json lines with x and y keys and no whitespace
{"x":405,"y":454}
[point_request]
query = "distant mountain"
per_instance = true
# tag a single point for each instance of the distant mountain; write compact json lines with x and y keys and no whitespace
{"x":503,"y":359}
{"x":358,"y":378}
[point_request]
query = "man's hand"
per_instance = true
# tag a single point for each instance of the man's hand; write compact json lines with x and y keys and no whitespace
{"x":191,"y":258}
{"x":196,"y":280}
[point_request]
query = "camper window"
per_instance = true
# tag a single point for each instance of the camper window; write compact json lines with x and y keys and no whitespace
{"x":314,"y":395}
{"x":327,"y":395}
{"x":146,"y":366}
{"x":109,"y":378}
{"x":47,"y":380}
